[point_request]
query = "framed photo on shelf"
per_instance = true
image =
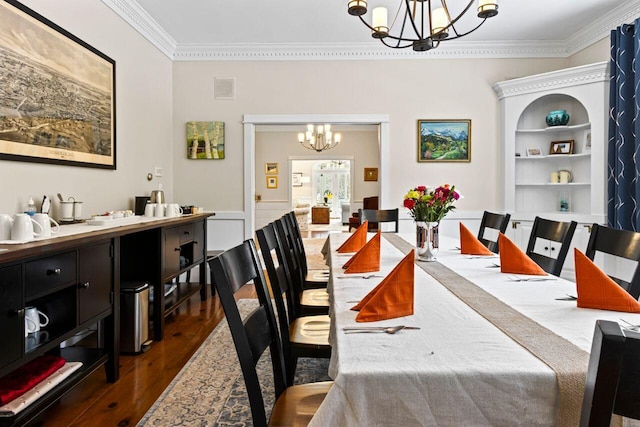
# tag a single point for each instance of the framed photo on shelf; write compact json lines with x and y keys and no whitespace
{"x":561,"y":147}
{"x":296,"y":179}
{"x":272,"y":182}
{"x":586,"y":147}
{"x":444,"y":141}
{"x":271,"y":169}
{"x":534,"y":152}
{"x":58,"y":93}
{"x":370,"y":174}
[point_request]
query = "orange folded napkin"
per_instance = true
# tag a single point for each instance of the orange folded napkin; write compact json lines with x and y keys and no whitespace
{"x":597,"y":290}
{"x":356,"y":241}
{"x":470,"y":245}
{"x":513,"y":260}
{"x":393,"y":297}
{"x":366,"y":259}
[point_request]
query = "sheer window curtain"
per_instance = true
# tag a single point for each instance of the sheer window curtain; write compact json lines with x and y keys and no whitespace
{"x":623,"y":211}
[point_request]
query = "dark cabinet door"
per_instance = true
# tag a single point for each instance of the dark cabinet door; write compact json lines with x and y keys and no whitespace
{"x":199,"y":243}
{"x":171,"y":252}
{"x":11,"y":314}
{"x":95,"y":280}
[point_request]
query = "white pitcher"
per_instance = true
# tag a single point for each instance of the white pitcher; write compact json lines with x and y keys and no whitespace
{"x":22,"y":227}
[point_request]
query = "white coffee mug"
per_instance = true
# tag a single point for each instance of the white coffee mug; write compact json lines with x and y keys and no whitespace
{"x":160,"y":210}
{"x":66,"y":211}
{"x":174,"y":209}
{"x":5,"y":226}
{"x":565,"y":176}
{"x":150,"y":209}
{"x":22,"y":228}
{"x":45,"y":223}
{"x":77,"y":210}
{"x":555,"y":177}
{"x":33,"y":320}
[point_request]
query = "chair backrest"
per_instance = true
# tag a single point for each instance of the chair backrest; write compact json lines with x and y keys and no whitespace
{"x":295,"y":270}
{"x":379,"y":216}
{"x":622,"y":244}
{"x":296,"y":235}
{"x":496,"y":222}
{"x":229,"y":272}
{"x":549,"y":243}
{"x":613,"y":376}
{"x":280,"y":280}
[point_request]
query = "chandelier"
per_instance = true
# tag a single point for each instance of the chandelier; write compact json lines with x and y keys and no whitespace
{"x":421,"y":24}
{"x":319,"y":138}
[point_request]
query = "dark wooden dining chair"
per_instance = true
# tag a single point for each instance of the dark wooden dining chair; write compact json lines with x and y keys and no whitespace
{"x":494,"y":221}
{"x":313,"y":279}
{"x":308,"y":302}
{"x":620,"y":243}
{"x":376,"y":217}
{"x":367,"y":203}
{"x":295,"y":404}
{"x":296,"y":342}
{"x":555,"y":239}
{"x":613,"y":376}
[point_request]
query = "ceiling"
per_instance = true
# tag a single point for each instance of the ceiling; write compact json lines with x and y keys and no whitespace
{"x":311,"y":29}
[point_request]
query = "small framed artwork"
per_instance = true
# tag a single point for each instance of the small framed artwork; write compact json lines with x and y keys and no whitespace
{"x":534,"y":152}
{"x":271,"y":169}
{"x":561,"y":147}
{"x":272,"y":182}
{"x":205,"y":140}
{"x":370,"y":174}
{"x":444,"y":140}
{"x":587,"y":142}
{"x":296,"y":179}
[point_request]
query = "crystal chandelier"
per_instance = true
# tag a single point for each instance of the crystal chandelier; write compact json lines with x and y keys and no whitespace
{"x":319,"y":138}
{"x":421,"y":24}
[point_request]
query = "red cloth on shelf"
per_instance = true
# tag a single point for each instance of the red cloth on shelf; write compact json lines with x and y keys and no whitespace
{"x":28,"y":376}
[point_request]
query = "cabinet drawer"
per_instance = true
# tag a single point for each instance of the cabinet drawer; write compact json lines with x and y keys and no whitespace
{"x":187,"y":233}
{"x":48,"y":273}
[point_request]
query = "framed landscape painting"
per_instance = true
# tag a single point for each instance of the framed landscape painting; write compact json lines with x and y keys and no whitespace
{"x":444,"y":140}
{"x":57,"y":97}
{"x":205,"y":140}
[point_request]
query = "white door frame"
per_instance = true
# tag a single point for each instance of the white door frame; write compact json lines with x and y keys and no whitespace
{"x":250,"y":122}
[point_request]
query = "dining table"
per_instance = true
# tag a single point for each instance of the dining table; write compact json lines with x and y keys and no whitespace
{"x":486,"y":348}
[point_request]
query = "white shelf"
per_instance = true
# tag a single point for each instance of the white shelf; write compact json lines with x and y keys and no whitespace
{"x":556,"y":129}
{"x":553,"y":156}
{"x":553,"y":184}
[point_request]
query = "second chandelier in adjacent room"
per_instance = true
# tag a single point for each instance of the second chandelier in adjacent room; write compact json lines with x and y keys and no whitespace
{"x":319,"y":138}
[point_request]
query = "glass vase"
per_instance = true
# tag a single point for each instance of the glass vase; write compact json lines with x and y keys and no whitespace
{"x":427,"y":242}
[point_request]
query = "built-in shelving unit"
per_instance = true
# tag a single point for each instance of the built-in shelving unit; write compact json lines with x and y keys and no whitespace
{"x":528,"y":163}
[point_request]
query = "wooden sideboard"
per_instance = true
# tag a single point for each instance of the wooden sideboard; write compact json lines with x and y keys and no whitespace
{"x":76,"y":279}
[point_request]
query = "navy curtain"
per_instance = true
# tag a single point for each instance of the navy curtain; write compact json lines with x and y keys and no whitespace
{"x":623,"y":190}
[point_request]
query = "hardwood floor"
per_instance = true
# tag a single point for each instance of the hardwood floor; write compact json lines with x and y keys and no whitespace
{"x":94,"y":402}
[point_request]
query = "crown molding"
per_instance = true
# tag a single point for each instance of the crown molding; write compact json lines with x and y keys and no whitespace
{"x":141,"y":21}
{"x":553,"y":80}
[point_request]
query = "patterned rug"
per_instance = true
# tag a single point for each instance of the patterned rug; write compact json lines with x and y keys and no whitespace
{"x":210,"y":391}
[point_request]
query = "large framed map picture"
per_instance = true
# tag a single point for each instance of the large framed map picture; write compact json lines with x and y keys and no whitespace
{"x":57,"y":97}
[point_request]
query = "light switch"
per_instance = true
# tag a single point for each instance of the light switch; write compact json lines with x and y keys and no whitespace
{"x":157,"y":171}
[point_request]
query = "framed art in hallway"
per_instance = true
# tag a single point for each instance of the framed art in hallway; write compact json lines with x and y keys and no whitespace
{"x":370,"y":174}
{"x":296,"y":179}
{"x":57,"y":98}
{"x":271,"y":169}
{"x":444,"y":140}
{"x":272,"y":182}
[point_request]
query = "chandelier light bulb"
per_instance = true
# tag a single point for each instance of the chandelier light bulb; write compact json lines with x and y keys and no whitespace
{"x":487,"y":8}
{"x":319,"y":138}
{"x":440,"y":23}
{"x":379,"y":19}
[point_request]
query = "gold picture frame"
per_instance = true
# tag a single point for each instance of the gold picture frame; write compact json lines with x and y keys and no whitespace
{"x":561,"y":147}
{"x":370,"y":174}
{"x":272,"y":182}
{"x":444,"y":141}
{"x":271,"y":168}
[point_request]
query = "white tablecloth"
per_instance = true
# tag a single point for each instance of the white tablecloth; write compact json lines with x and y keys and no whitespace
{"x":458,"y":369}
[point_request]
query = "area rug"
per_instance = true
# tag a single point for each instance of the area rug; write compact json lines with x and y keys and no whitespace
{"x":210,"y":391}
{"x":312,"y":248}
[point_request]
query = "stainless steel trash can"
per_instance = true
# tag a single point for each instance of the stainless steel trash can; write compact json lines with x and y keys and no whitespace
{"x":134,"y":317}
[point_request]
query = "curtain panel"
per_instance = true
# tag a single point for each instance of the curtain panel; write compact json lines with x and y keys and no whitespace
{"x":623,"y":189}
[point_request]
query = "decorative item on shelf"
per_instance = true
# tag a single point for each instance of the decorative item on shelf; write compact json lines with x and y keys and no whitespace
{"x":319,"y":138}
{"x":534,"y":152}
{"x":561,"y":147}
{"x":427,"y":207}
{"x":565,"y":176}
{"x":563,"y":201}
{"x":422,"y":25}
{"x":557,"y":118}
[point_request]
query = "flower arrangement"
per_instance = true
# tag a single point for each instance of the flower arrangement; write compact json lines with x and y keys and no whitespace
{"x":430,"y":205}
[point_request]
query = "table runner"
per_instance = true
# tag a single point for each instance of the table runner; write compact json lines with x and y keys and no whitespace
{"x":567,"y":360}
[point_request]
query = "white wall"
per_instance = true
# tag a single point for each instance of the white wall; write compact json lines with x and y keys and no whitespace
{"x":597,"y":52}
{"x":143,"y":119}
